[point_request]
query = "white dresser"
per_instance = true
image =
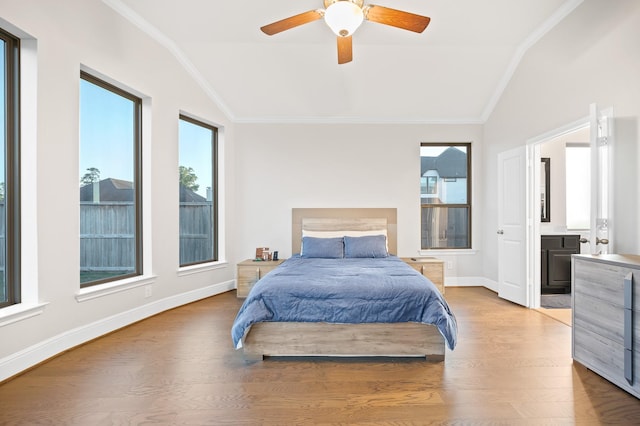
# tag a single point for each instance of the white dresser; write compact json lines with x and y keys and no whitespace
{"x":606,"y":317}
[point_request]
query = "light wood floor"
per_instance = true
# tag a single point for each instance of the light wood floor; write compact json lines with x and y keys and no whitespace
{"x":562,"y":315}
{"x":512,"y":366}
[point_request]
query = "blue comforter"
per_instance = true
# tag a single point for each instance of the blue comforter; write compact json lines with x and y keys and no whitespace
{"x":345,"y":291}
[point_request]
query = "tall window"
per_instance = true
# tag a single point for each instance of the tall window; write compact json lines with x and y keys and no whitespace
{"x":198,"y":192}
{"x":578,"y":177}
{"x":110,"y":182}
{"x":9,"y":168}
{"x":445,"y":195}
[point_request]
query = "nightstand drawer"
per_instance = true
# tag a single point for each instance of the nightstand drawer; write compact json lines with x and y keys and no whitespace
{"x":250,"y":271}
{"x":430,"y":267}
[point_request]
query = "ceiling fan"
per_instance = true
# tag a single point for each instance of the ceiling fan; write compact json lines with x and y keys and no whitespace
{"x":345,"y":16}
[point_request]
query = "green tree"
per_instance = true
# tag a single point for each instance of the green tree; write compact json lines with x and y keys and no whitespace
{"x":92,"y":175}
{"x":188,"y":178}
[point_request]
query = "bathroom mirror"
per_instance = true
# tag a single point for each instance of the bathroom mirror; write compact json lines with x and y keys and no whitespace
{"x":545,"y":190}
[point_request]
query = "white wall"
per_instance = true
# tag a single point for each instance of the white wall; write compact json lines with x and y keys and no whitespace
{"x":555,"y":150}
{"x":87,"y":32}
{"x":591,"y":56}
{"x":350,"y":165}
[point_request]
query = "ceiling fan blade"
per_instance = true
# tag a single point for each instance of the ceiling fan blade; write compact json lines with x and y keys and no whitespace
{"x":396,"y":18}
{"x":345,"y":50}
{"x":292,"y":22}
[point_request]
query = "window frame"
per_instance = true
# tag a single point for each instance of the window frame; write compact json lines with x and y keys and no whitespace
{"x":11,"y":143}
{"x":467,"y":205}
{"x":214,"y":189}
{"x":138,"y":173}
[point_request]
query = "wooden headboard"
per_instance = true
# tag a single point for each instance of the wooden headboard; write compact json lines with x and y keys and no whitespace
{"x":334,"y":219}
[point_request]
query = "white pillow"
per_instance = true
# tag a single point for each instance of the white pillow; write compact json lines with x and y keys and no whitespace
{"x":347,"y":233}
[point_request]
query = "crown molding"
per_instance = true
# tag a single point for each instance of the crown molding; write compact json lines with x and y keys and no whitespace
{"x":145,"y":26}
{"x":137,"y":20}
{"x":562,"y":12}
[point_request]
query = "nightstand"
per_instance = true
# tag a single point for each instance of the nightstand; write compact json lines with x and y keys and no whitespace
{"x":250,"y":271}
{"x":430,"y":267}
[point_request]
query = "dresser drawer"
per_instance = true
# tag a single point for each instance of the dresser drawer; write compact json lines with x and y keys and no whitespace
{"x":605,"y":281}
{"x":600,"y":280}
{"x":606,"y":328}
{"x":605,"y":358}
{"x":598,"y":316}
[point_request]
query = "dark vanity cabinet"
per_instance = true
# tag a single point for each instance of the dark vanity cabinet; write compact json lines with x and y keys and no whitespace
{"x":555,"y":260}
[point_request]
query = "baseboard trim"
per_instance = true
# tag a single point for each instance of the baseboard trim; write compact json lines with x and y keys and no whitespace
{"x":471,"y":282}
{"x":27,"y":358}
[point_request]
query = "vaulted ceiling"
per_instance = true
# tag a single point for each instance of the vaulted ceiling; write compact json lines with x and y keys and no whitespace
{"x":453,"y":72}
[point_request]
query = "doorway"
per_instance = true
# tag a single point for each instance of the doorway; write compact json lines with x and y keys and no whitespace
{"x":562,"y":228}
{"x":519,"y":253}
{"x":563,"y":225}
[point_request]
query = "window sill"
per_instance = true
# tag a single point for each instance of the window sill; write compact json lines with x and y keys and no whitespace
{"x":20,"y":311}
{"x":202,"y":267}
{"x":106,"y":289}
{"x":441,"y":252}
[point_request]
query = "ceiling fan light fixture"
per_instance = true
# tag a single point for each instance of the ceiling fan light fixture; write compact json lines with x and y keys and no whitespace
{"x":343,"y":17}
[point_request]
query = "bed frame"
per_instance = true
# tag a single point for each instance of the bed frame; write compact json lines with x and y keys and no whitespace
{"x":351,"y":340}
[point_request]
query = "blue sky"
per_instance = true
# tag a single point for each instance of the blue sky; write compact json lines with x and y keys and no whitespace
{"x":434,"y":151}
{"x":195,"y":152}
{"x":106,"y":132}
{"x":106,"y":138}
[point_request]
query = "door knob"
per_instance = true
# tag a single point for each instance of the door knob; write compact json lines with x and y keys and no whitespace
{"x":584,"y":240}
{"x":602,"y":241}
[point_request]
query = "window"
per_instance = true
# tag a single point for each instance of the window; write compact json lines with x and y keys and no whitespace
{"x":110,"y":182}
{"x":445,"y":195}
{"x":10,"y":172}
{"x":432,"y":185}
{"x":578,"y":177}
{"x":198,"y":192}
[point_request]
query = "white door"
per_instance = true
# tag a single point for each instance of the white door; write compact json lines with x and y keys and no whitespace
{"x":601,"y":128}
{"x":512,"y":226}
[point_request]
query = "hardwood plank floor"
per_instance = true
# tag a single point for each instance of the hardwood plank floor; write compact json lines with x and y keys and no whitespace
{"x":562,"y":315}
{"x":512,"y":366}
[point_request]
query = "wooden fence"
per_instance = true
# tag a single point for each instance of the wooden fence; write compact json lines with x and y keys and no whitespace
{"x":107,"y":236}
{"x":3,"y":240}
{"x":196,"y":232}
{"x":445,"y":227}
{"x":107,"y":232}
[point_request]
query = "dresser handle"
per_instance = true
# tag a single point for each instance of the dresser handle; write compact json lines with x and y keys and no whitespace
{"x":628,"y":328}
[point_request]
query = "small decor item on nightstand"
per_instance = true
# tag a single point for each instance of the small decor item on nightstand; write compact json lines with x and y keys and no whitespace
{"x":275,"y":255}
{"x":262,"y":253}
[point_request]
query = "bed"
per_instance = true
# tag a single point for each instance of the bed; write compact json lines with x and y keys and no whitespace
{"x":305,"y":306}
